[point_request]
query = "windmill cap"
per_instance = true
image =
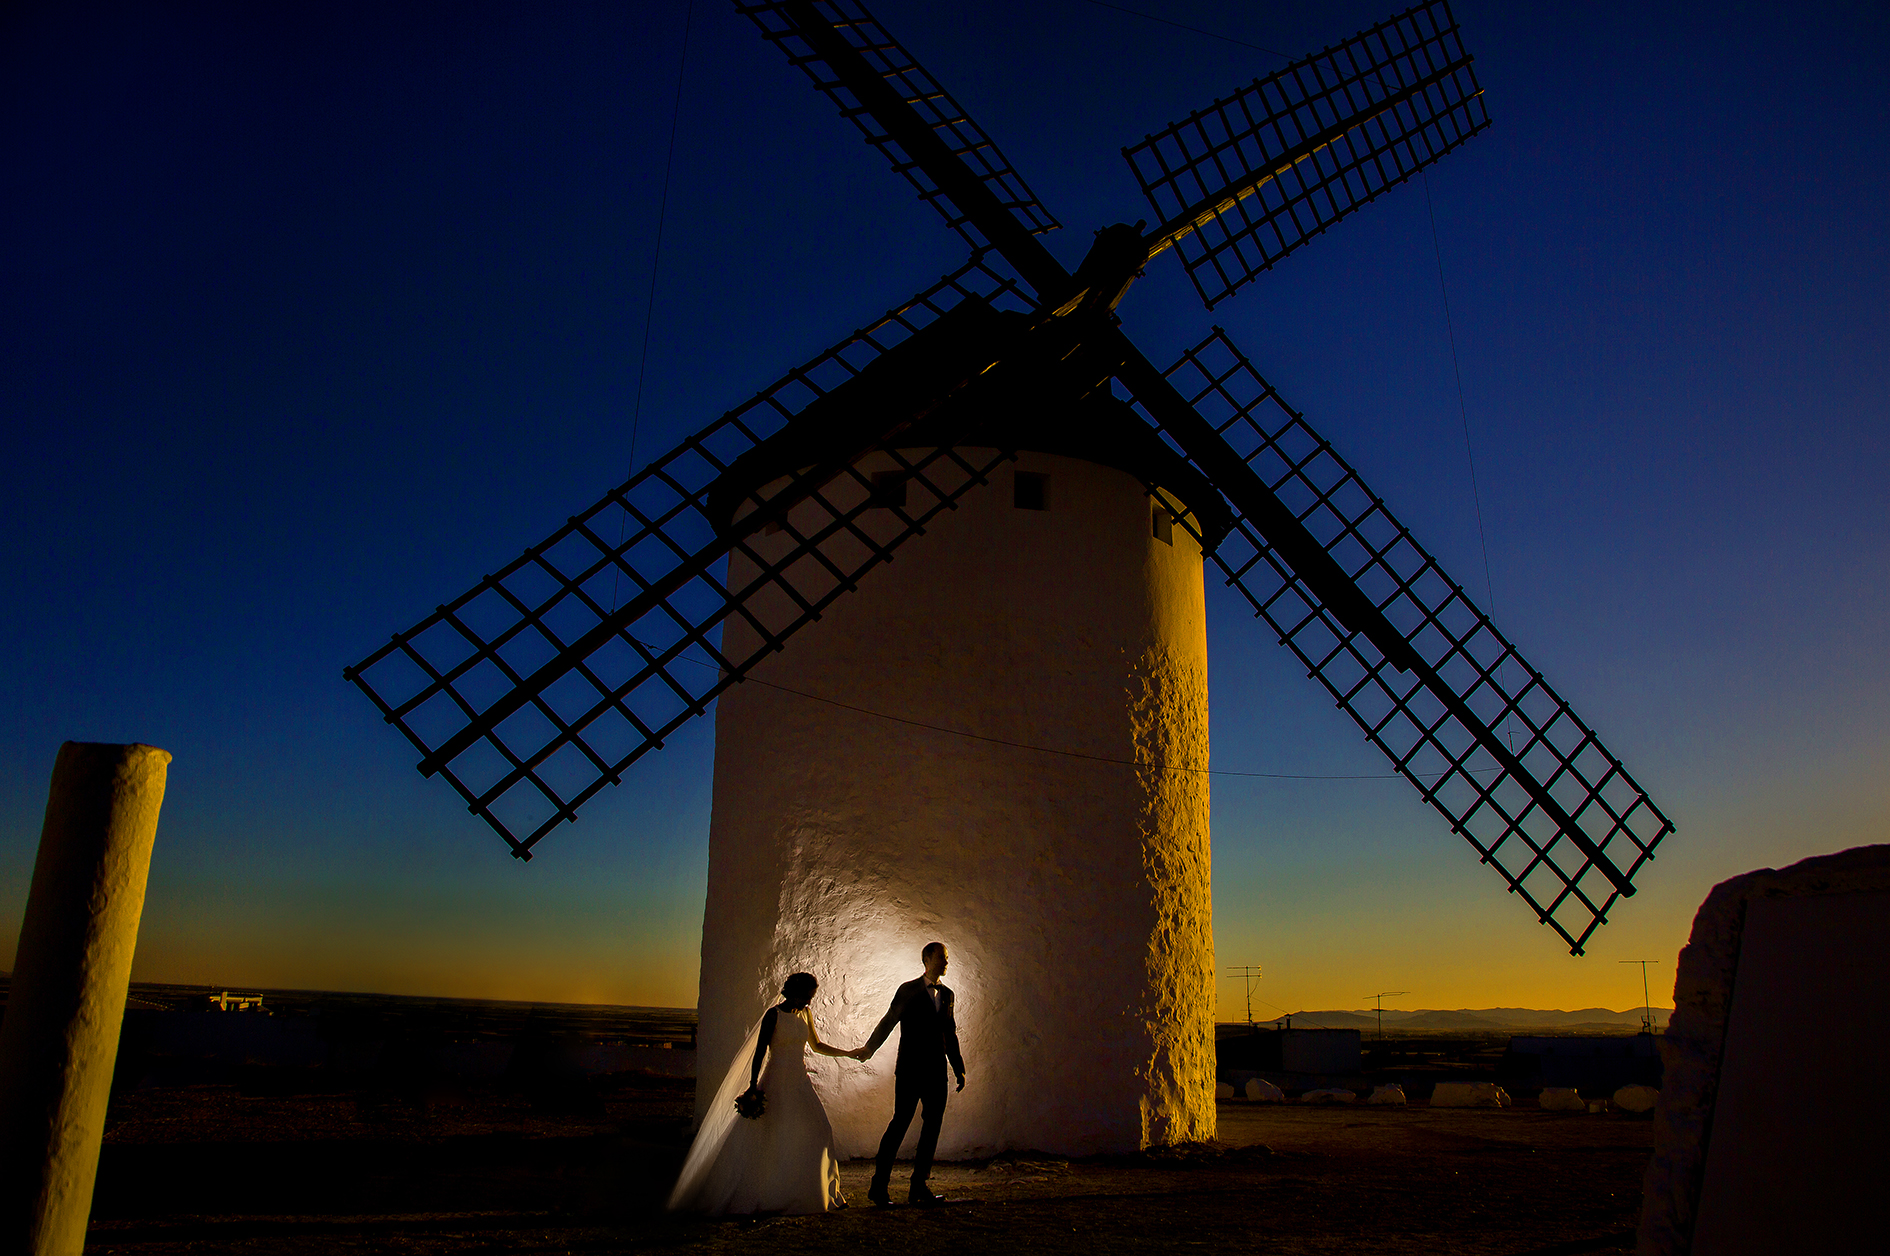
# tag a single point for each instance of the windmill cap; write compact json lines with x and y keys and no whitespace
{"x":938,"y":378}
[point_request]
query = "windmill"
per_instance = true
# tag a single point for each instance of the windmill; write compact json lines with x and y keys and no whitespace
{"x":998,"y":739}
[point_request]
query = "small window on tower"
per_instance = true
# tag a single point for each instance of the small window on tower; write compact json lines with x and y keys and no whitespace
{"x":889,"y":489}
{"x":1164,"y":525}
{"x":1030,"y":490}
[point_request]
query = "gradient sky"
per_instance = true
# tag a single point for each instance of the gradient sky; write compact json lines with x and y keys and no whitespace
{"x":312,"y":315}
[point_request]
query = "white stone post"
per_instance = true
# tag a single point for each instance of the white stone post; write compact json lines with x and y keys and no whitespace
{"x":67,"y":1002}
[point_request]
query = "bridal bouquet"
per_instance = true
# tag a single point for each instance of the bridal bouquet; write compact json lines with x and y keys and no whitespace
{"x":751,"y":1103}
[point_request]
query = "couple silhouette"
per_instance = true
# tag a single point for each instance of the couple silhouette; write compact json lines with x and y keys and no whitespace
{"x":769,"y":1147}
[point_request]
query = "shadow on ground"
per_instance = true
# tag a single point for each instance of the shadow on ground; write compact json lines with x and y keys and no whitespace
{"x":211,"y":1169}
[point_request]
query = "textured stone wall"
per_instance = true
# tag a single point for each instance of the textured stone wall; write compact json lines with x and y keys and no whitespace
{"x":1693,"y":1048}
{"x":1073,"y":892}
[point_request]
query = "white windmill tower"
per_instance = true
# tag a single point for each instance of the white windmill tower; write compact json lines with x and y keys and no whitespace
{"x":998,"y":740}
{"x":1059,"y":607}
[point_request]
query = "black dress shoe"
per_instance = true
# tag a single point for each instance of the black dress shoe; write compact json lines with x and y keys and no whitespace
{"x":878,"y":1194}
{"x":923,"y":1196}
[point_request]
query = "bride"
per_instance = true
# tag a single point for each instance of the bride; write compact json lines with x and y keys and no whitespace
{"x":783,"y":1160}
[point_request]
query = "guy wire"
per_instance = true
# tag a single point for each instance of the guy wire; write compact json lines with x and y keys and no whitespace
{"x":656,"y":256}
{"x":1463,"y":413}
{"x":1070,"y":754}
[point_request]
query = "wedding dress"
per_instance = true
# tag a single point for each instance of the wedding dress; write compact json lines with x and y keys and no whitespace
{"x":782,"y":1162}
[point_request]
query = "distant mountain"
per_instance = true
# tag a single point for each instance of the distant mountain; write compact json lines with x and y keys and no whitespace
{"x":1402,"y":1020}
{"x":1487,"y":1018}
{"x":1451,"y":1020}
{"x":1331,"y":1020}
{"x":1581,"y":1016}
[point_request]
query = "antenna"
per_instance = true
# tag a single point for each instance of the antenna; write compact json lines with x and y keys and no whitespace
{"x":1250,"y":973}
{"x":1647,"y":1011}
{"x":1381,"y":996}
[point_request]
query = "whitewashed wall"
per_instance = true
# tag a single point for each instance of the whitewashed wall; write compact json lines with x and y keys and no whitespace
{"x":1074,"y":894}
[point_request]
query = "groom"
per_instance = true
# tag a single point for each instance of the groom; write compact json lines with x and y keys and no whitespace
{"x":928,"y":1036}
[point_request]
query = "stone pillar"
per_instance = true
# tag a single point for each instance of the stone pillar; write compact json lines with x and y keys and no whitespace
{"x":67,"y":1002}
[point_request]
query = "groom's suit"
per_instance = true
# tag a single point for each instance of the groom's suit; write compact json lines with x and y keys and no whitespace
{"x":928,"y":1037}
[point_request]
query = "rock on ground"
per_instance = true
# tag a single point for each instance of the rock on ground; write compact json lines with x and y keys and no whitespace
{"x":1469,"y":1095}
{"x":1561,"y":1099}
{"x":1636,"y":1098}
{"x":1329,"y":1094}
{"x":1262,"y":1091}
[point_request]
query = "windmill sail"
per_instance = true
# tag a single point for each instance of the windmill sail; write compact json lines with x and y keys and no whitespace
{"x":822,"y":38}
{"x":1470,"y":723}
{"x":1242,"y":183}
{"x":542,"y":683}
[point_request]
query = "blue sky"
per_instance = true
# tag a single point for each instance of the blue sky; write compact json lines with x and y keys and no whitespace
{"x":313,"y":315}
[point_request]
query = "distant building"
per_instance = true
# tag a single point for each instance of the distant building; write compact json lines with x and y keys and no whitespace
{"x":1312,"y":1051}
{"x":224,"y":1001}
{"x":1595,"y":1064}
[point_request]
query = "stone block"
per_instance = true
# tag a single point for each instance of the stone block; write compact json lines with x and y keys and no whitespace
{"x":1469,"y":1095}
{"x":1561,"y":1099}
{"x":1392,"y":1094}
{"x":1782,"y":976}
{"x":1636,"y":1098}
{"x":1262,"y":1091}
{"x":1328,"y":1094}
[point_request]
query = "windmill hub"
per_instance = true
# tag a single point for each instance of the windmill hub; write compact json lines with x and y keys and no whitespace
{"x":1114,"y":262}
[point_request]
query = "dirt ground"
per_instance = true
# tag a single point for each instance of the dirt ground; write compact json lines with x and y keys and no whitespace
{"x":211,"y":1169}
